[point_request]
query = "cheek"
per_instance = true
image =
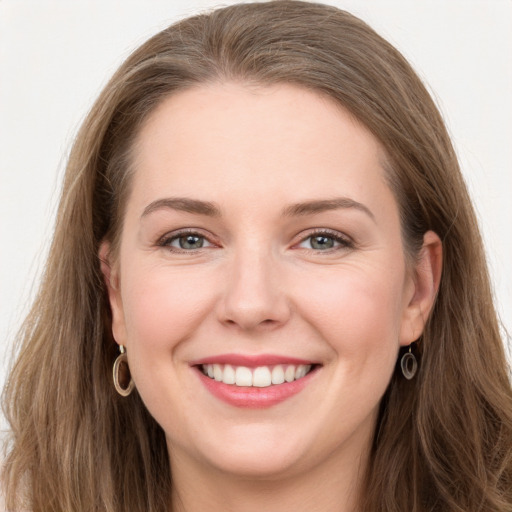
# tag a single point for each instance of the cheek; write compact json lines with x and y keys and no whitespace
{"x":163,"y":306}
{"x":357,"y":310}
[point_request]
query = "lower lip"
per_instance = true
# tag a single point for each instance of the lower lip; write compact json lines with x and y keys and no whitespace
{"x":254,"y":397}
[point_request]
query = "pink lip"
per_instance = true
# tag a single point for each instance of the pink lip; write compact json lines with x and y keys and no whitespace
{"x":250,"y":361}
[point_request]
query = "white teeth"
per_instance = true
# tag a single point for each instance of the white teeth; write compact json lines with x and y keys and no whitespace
{"x":217,"y":372}
{"x":301,"y":371}
{"x":277,"y":374}
{"x":260,"y":377}
{"x":229,"y":375}
{"x":243,"y":376}
{"x":289,"y":374}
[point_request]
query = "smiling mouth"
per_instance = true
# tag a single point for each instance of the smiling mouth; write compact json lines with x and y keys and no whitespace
{"x":259,"y":377}
{"x":255,"y":382}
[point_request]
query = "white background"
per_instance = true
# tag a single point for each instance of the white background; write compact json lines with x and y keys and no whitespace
{"x":56,"y":55}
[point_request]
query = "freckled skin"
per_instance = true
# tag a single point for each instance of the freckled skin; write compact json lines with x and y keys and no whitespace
{"x":259,"y":284}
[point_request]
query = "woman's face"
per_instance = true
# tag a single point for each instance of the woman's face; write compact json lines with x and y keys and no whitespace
{"x":261,"y":241}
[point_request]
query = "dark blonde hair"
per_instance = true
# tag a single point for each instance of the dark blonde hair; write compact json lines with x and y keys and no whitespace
{"x":443,"y":441}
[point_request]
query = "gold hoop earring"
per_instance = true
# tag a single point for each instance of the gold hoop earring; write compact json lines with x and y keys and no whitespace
{"x":121,"y":373}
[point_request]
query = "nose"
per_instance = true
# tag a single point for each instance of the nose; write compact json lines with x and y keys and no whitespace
{"x":254,"y":296}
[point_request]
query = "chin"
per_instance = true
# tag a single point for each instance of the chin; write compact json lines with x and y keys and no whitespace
{"x":259,"y":464}
{"x":251,"y":452}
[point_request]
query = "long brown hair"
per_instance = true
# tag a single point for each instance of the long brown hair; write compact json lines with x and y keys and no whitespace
{"x":443,"y":441}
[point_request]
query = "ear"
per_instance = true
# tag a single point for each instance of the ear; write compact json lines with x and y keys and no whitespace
{"x":111,"y":277}
{"x":424,"y":285}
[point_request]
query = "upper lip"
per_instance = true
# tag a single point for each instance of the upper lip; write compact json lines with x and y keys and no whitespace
{"x":251,"y":360}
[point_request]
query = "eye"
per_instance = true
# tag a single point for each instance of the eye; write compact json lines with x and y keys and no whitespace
{"x":185,"y":241}
{"x":325,"y":241}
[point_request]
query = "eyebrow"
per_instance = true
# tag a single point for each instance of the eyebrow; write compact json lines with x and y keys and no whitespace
{"x":298,"y":209}
{"x":313,"y":207}
{"x":183,"y":204}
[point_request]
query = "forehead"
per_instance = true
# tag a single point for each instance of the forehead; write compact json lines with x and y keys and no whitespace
{"x":231,"y":138}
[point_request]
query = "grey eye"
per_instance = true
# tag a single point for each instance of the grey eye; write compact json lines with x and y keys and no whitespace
{"x":321,"y":242}
{"x":325,"y":241}
{"x":188,"y":242}
{"x":185,"y":241}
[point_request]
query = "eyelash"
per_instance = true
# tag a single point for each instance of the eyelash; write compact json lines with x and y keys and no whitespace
{"x":343,"y":241}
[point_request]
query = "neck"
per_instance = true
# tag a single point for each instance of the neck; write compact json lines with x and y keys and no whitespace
{"x":327,"y":487}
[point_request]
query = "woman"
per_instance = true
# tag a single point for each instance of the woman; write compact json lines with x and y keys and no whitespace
{"x":266,"y":289}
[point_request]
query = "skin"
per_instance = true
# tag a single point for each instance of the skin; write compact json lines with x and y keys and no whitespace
{"x":259,"y":286}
